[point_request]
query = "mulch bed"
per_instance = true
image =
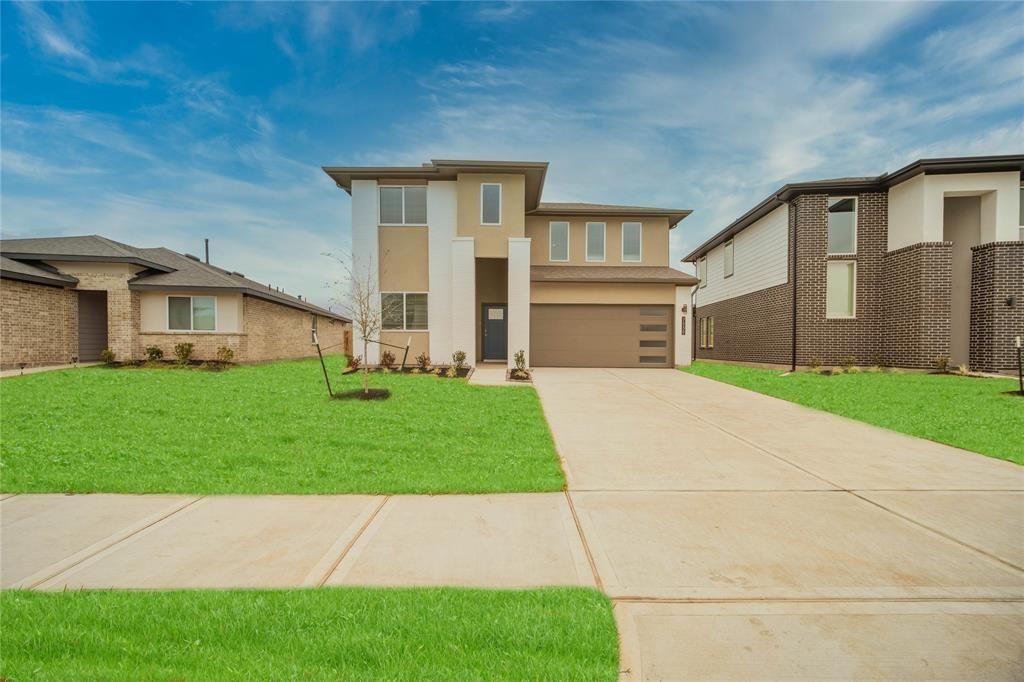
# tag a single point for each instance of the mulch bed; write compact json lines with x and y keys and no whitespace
{"x":359,"y":394}
{"x":208,"y":365}
{"x":436,"y":371}
{"x":522,"y":376}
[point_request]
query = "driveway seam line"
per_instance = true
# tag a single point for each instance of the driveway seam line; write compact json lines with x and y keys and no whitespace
{"x":348,"y":546}
{"x":117,"y":542}
{"x":586,"y":545}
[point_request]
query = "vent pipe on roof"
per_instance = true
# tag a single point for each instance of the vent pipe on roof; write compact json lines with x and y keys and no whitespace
{"x":206,"y":244}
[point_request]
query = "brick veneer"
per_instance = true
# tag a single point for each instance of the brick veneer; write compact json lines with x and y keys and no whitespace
{"x":754,"y":327}
{"x":916,"y":313}
{"x":38,"y":324}
{"x":123,"y":307}
{"x":997,"y":274}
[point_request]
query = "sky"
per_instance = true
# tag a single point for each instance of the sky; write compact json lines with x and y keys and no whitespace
{"x":159,"y":124}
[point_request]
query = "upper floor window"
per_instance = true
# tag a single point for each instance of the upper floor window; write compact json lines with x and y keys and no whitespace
{"x":192,"y":313}
{"x":403,"y":311}
{"x":490,"y":203}
{"x":702,"y":271}
{"x":632,"y":247}
{"x":403,"y":205}
{"x":558,"y":241}
{"x":729,"y":260}
{"x":842,"y":225}
{"x":595,"y":242}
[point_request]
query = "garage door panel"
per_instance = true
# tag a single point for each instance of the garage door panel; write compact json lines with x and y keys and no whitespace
{"x":600,"y":335}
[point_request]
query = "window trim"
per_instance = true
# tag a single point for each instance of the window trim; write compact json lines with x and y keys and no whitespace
{"x":568,"y":241}
{"x":604,"y":242}
{"x":191,"y":314}
{"x":405,"y":312}
{"x":856,"y":227}
{"x":852,"y":316}
{"x":380,"y":218}
{"x":702,"y":272}
{"x":500,"y":199}
{"x":622,"y":234}
{"x":726,"y":271}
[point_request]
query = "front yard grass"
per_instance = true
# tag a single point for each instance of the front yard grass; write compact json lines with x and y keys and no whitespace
{"x":975,"y":414}
{"x":269,"y":429}
{"x":326,"y":633}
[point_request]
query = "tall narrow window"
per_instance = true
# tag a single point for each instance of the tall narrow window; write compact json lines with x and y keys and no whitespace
{"x":632,"y":248}
{"x":703,"y":332}
{"x":416,"y":205}
{"x":595,"y":242}
{"x":490,"y":204}
{"x":711,"y":332}
{"x":392,"y":311}
{"x":312,"y":331}
{"x":842,"y":225}
{"x":415,"y":311}
{"x":558,"y":242}
{"x":841,"y":289}
{"x":729,"y":260}
{"x":702,"y":271}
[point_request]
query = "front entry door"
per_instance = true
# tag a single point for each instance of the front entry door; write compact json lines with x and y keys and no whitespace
{"x":495,"y":328}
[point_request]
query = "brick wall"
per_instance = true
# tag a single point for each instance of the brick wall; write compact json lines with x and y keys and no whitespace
{"x":123,"y":307}
{"x":754,"y":327}
{"x":204,"y":344}
{"x":277,"y":331}
{"x":38,"y":324}
{"x":916,"y":324}
{"x":997,"y":274}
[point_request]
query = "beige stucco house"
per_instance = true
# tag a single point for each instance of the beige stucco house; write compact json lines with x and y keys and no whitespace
{"x":467,"y":257}
{"x":65,"y":299}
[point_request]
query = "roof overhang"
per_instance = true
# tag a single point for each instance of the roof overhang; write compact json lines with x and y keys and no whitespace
{"x":56,"y":281}
{"x":674,"y":215}
{"x":610,"y":274}
{"x":142,"y":262}
{"x":446,"y":169}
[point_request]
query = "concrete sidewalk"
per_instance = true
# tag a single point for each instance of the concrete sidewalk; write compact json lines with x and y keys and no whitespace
{"x":739,"y":536}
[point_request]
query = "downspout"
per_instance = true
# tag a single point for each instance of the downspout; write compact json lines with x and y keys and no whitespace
{"x":796,"y":225}
{"x":693,"y":323}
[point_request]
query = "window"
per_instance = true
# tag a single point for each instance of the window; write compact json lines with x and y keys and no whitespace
{"x":841,"y":289}
{"x":558,"y":242}
{"x":711,"y":332}
{"x":707,"y":332}
{"x":595,"y":242}
{"x":1021,"y":221}
{"x":490,"y":204}
{"x":403,"y":205}
{"x":729,"y":258}
{"x":313,"y":330}
{"x":842,"y":225}
{"x":653,"y":327}
{"x":403,"y":311}
{"x":702,"y":271}
{"x":631,"y":246}
{"x":192,"y":313}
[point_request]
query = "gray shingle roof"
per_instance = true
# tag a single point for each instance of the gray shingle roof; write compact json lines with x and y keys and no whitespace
{"x":610,"y":273}
{"x":13,"y":269}
{"x":86,"y":247}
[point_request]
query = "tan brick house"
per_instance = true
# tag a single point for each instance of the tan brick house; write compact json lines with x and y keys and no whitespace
{"x":64,"y":299}
{"x":900,"y":269}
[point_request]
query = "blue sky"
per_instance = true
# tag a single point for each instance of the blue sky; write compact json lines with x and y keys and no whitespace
{"x":163,"y":123}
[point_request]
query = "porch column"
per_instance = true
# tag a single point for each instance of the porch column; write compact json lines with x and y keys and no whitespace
{"x":518,"y":298}
{"x":463,"y":309}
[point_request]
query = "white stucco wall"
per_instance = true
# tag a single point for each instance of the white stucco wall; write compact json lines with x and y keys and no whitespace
{"x":683,"y":342}
{"x":442,"y":222}
{"x":760,"y":259}
{"x":463,"y":299}
{"x":518,"y":298}
{"x":364,"y":252}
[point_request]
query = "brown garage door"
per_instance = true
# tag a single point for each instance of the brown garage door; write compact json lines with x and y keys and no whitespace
{"x":92,"y":324}
{"x":600,"y":335}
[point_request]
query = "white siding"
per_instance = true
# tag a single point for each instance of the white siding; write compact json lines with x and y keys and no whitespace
{"x":761,"y":260}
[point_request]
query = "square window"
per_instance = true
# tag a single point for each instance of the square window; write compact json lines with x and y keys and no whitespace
{"x":490,"y":204}
{"x":558,"y":242}
{"x":595,"y":242}
{"x":632,"y":246}
{"x":841,"y":289}
{"x":392,"y":311}
{"x":842,"y":225}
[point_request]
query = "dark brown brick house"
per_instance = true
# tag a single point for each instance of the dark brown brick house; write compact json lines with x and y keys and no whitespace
{"x":900,"y":269}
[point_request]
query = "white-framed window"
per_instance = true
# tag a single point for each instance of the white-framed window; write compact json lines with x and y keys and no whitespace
{"x":702,"y":271}
{"x":490,"y":203}
{"x":192,"y":313}
{"x":842,"y":226}
{"x":558,"y":241}
{"x":312,"y":331}
{"x":841,"y":289}
{"x":595,"y":242}
{"x":632,"y":242}
{"x":403,"y":205}
{"x":707,"y":332}
{"x":403,"y":311}
{"x":729,"y":262}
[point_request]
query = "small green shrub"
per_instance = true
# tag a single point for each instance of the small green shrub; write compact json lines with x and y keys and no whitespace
{"x":837,"y":370}
{"x":459,"y":360}
{"x":108,"y":356}
{"x":387,"y":359}
{"x":183,"y":352}
{"x":225,"y":355}
{"x":815,"y":364}
{"x":354,"y":362}
{"x":877,"y":360}
{"x":154,"y":353}
{"x":520,"y":359}
{"x":451,"y":372}
{"x":941,"y":363}
{"x":423,"y":362}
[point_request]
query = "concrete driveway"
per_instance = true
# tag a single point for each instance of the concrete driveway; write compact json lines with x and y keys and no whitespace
{"x":739,"y":536}
{"x":745,"y":537}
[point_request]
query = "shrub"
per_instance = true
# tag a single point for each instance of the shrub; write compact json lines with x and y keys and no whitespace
{"x":847,"y":361}
{"x":354,"y":362}
{"x":853,"y":370}
{"x":154,"y":353}
{"x":877,"y":360}
{"x":423,"y":362}
{"x":225,"y":355}
{"x":108,"y":356}
{"x":837,"y":370}
{"x":183,"y":352}
{"x":520,"y":359}
{"x":387,"y":359}
{"x":941,"y":364}
{"x":459,"y":360}
{"x":964,"y":370}
{"x":451,"y":372}
{"x":815,"y":363}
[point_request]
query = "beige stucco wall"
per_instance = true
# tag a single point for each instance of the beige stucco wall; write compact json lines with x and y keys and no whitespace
{"x":617,"y":293}
{"x":653,"y":245}
{"x":420,"y":344}
{"x":491,"y":241}
{"x":403,"y":259}
{"x":153,"y":305}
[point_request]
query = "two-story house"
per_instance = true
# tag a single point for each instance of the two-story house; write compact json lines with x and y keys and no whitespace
{"x":901,"y":269}
{"x":467,"y":257}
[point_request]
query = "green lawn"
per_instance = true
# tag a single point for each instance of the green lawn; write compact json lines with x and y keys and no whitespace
{"x":269,"y":429}
{"x":327,"y":633}
{"x":970,"y":413}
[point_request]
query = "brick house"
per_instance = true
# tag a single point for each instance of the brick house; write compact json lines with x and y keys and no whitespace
{"x":63,"y":298}
{"x":898,"y":269}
